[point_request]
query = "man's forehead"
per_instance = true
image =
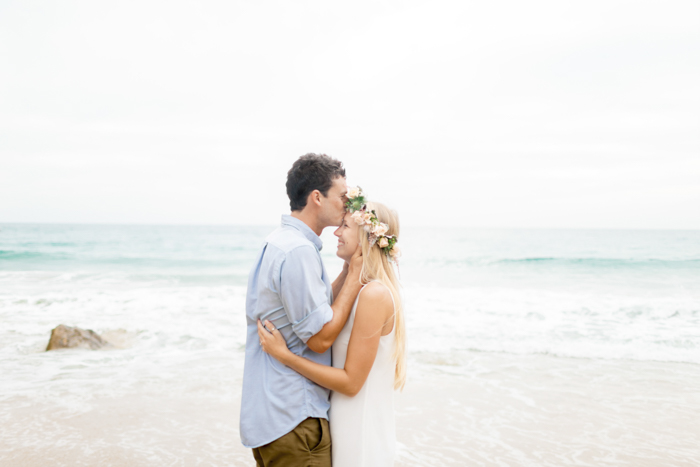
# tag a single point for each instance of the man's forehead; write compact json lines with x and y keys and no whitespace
{"x":341,"y":184}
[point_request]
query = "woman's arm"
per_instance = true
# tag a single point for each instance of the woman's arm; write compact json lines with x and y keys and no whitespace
{"x":374,"y":309}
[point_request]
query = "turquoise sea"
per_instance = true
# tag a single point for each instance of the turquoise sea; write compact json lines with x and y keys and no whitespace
{"x":171,"y":298}
{"x":582,"y":293}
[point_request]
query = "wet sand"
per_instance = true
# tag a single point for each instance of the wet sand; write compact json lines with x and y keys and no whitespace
{"x":496,"y":409}
{"x":474,"y":409}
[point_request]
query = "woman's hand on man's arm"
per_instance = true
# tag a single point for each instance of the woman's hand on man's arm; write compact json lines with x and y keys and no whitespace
{"x":374,"y":309}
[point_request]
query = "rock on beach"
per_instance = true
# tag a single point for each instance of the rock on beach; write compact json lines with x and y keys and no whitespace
{"x":66,"y":337}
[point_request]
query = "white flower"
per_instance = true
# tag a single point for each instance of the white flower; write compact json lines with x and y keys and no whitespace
{"x":383,"y":242}
{"x":353,"y":192}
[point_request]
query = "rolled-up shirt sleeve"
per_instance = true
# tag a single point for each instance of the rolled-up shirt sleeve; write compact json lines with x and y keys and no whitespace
{"x":303,"y":293}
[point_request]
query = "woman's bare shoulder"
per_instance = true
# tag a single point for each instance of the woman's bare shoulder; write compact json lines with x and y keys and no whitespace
{"x":375,"y":301}
{"x":375,"y":290}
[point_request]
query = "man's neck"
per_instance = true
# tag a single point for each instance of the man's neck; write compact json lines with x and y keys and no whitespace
{"x":308,"y":219}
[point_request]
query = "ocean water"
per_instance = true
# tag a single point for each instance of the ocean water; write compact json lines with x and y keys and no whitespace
{"x":574,"y":293}
{"x":171,"y":299}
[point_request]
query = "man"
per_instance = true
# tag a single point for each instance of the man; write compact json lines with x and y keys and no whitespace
{"x":284,"y":416}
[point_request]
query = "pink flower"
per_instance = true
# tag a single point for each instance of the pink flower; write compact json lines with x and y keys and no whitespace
{"x":353,"y":192}
{"x":395,"y":251}
{"x":358,"y":217}
{"x":383,"y":242}
{"x":380,"y":229}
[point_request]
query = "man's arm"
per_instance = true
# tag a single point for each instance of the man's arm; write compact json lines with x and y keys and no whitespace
{"x":342,"y":304}
{"x":375,"y":309}
{"x":340,"y":280}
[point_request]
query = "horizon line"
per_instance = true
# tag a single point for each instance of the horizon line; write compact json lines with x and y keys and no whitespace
{"x":474,"y":227}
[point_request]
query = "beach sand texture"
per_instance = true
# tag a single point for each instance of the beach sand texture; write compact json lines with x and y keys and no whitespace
{"x":483,"y":410}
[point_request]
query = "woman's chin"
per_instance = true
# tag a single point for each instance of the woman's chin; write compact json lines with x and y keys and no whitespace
{"x":339,"y":254}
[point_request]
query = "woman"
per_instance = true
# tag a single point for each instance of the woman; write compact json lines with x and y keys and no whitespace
{"x":368,"y":355}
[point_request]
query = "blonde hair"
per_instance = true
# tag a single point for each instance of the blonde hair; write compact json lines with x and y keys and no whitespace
{"x":376,"y":267}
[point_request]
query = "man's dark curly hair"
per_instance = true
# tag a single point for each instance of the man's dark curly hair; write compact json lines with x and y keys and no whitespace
{"x":311,"y":172}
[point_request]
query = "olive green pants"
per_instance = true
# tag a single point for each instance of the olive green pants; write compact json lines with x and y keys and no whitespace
{"x":307,"y":445}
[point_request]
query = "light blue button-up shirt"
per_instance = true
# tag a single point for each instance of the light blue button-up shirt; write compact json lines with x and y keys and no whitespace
{"x":288,"y":286}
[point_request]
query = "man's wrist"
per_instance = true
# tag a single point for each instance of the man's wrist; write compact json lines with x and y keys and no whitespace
{"x":354,"y":281}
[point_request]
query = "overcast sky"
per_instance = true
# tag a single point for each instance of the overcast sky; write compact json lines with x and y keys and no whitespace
{"x":486,"y":114}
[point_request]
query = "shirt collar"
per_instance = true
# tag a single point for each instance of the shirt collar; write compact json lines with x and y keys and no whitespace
{"x":304,"y":229}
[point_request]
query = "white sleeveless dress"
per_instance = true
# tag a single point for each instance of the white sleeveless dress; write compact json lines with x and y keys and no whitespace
{"x":363,"y":431}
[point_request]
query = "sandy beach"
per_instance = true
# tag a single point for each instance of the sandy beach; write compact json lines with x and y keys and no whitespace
{"x":547,"y":411}
{"x":472,"y":409}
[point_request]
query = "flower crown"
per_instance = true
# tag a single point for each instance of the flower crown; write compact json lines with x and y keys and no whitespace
{"x":368,"y":220}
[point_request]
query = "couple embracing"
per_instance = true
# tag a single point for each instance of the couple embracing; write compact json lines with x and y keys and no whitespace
{"x":323,"y":358}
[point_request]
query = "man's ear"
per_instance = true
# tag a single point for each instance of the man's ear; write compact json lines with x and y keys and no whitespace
{"x":315,"y":197}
